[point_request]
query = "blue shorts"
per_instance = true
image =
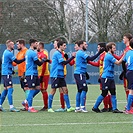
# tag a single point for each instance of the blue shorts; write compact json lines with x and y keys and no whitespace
{"x":129,"y":76}
{"x":32,"y":81}
{"x":107,"y":84}
{"x":81,"y":82}
{"x":58,"y":82}
{"x":7,"y":80}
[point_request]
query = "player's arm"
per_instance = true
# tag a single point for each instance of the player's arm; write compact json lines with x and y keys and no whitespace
{"x":39,"y":63}
{"x":96,"y":55}
{"x":72,"y":62}
{"x":94,"y":63}
{"x":18,"y":61}
{"x":118,"y":62}
{"x":67,"y":61}
{"x":117,"y":57}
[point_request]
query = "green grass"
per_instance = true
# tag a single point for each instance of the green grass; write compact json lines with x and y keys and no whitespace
{"x":58,"y":122}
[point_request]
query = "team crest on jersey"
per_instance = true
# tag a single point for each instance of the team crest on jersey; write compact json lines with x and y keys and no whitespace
{"x":55,"y":84}
{"x":10,"y":82}
{"x":106,"y":87}
{"x":33,"y":84}
{"x":84,"y":84}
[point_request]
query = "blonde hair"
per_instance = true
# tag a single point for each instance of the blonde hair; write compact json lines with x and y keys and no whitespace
{"x":109,"y":45}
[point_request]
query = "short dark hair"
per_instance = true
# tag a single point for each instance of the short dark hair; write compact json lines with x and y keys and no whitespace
{"x":58,"y":39}
{"x":32,"y":41}
{"x":21,"y":41}
{"x":109,"y":45}
{"x":60,"y":43}
{"x":80,"y":42}
{"x":102,"y":45}
{"x":129,"y":36}
{"x":131,"y":43}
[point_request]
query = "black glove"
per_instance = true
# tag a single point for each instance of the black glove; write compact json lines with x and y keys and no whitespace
{"x":122,"y":75}
{"x":101,"y":50}
{"x":22,"y":77}
{"x":13,"y":72}
{"x":66,"y":56}
{"x":41,"y":79}
{"x":99,"y":80}
{"x":87,"y":76}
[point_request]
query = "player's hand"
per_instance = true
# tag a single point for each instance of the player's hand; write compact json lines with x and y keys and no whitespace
{"x":13,"y":72}
{"x":66,"y":56}
{"x":74,"y":54}
{"x":41,"y":79}
{"x":99,"y":80}
{"x":87,"y":76}
{"x":122,"y":75}
{"x":22,"y":77}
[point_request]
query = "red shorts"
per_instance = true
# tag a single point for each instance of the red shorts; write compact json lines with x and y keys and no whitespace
{"x":44,"y":84}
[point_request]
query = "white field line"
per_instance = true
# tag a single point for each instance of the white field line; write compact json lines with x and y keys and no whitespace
{"x":66,"y":124}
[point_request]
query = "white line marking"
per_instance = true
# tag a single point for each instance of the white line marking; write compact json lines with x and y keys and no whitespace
{"x":65,"y":124}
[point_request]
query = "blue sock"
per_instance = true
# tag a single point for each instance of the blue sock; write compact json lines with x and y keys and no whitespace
{"x":114,"y":101}
{"x":129,"y":101}
{"x":3,"y":96}
{"x":83,"y":98}
{"x":9,"y":96}
{"x":36,"y":92}
{"x":78,"y":99}
{"x":66,"y":98}
{"x":50,"y":100}
{"x":98,"y":102}
{"x":30,"y":97}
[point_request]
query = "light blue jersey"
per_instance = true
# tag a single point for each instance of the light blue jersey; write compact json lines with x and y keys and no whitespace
{"x":7,"y":60}
{"x":81,"y":62}
{"x":129,"y":59}
{"x":108,"y":66}
{"x":57,"y":68}
{"x":31,"y":66}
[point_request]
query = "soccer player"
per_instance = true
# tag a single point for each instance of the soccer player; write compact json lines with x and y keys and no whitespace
{"x":126,"y":39}
{"x":62,"y":101}
{"x":21,"y":69}
{"x":43,"y":73}
{"x":107,"y":100}
{"x":80,"y":75}
{"x":7,"y":59}
{"x":31,"y":73}
{"x":57,"y":76}
{"x":107,"y":78}
{"x":128,"y":59}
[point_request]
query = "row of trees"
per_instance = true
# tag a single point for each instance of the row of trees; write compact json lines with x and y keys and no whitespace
{"x":48,"y":19}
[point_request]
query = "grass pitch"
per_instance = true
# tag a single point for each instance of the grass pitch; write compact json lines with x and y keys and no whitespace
{"x":64,"y":122}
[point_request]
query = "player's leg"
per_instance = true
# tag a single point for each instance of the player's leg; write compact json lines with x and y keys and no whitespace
{"x":44,"y":86}
{"x":62,"y":84}
{"x":105,"y":85}
{"x":34,"y":86}
{"x":54,"y":86}
{"x":112,"y":90}
{"x":130,"y":95}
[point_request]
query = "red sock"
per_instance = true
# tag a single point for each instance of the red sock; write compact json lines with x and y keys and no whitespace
{"x":127,"y":92}
{"x":109,"y":101}
{"x":45,"y":99}
{"x":62,"y":101}
{"x":105,"y":102}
